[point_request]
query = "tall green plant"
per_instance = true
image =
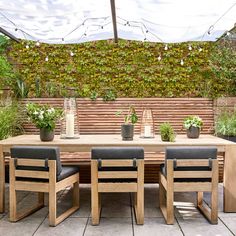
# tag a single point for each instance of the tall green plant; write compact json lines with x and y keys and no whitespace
{"x":226,"y":123}
{"x":10,"y":123}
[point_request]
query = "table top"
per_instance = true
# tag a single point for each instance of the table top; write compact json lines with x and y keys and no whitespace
{"x":116,"y":140}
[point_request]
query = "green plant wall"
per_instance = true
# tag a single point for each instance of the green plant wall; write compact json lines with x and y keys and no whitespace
{"x":126,"y":69}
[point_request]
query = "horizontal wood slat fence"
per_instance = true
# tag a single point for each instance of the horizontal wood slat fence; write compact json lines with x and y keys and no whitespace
{"x":98,"y":117}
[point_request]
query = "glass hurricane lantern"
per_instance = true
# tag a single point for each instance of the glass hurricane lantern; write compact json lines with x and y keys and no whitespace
{"x":69,"y":122}
{"x":147,"y":124}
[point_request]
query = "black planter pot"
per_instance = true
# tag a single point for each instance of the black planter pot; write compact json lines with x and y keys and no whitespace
{"x":193,"y":132}
{"x":127,"y":132}
{"x":230,"y":138}
{"x":46,"y":135}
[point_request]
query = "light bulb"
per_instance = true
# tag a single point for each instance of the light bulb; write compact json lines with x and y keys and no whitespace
{"x":200,"y":49}
{"x":159,"y":58}
{"x":37,"y":43}
{"x":166,"y":47}
{"x":182,"y":62}
{"x":72,"y":54}
{"x":27,"y":46}
{"x":46,"y":59}
{"x":228,"y":33}
{"x":190,"y":48}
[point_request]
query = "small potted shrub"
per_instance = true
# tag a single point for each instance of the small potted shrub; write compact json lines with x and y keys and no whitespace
{"x":225,"y":125}
{"x":127,"y":129}
{"x":193,"y":124}
{"x":167,"y":132}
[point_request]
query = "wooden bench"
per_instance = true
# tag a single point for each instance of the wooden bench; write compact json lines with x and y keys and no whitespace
{"x":98,"y":117}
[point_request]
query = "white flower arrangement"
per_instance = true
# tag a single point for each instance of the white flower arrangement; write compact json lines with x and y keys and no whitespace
{"x":43,"y":116}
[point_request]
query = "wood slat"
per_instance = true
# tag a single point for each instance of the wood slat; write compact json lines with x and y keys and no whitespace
{"x":117,"y":174}
{"x":32,"y":174}
{"x":117,"y":187}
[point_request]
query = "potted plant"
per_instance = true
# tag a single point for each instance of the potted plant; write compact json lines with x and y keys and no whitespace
{"x":225,"y":125}
{"x":167,"y":132}
{"x":127,"y":129}
{"x":193,"y":125}
{"x":44,"y":117}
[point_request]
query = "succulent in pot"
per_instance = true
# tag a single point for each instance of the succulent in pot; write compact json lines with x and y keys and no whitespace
{"x":130,"y":119}
{"x":193,"y":125}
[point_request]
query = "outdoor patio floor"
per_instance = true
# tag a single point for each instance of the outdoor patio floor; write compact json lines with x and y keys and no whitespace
{"x":117,"y":217}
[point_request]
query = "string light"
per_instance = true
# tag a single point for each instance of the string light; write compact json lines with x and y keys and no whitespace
{"x":72,"y":54}
{"x":27,"y":46}
{"x":190,"y":48}
{"x":159,"y":58}
{"x":46,"y":59}
{"x":37,"y":44}
{"x":228,"y":33}
{"x":182,"y":62}
{"x":166,"y":47}
{"x":200,"y":49}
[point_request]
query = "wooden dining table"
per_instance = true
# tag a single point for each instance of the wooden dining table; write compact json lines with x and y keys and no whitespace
{"x":85,"y":142}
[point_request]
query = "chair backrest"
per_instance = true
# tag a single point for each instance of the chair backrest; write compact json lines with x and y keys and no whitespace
{"x":121,"y":163}
{"x":35,"y":153}
{"x":191,"y":162}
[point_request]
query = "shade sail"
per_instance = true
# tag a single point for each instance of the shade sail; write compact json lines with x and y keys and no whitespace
{"x":76,"y":21}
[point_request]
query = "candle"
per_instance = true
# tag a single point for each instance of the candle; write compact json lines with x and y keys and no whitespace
{"x":147,"y":131}
{"x":70,"y":125}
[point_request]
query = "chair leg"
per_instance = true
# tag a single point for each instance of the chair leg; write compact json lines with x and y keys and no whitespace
{"x":214,"y":207}
{"x":41,"y":199}
{"x":199,"y":199}
{"x":52,"y":208}
{"x":76,"y":195}
{"x":13,"y":206}
{"x":170,"y":207}
{"x":139,"y":204}
{"x":96,"y":208}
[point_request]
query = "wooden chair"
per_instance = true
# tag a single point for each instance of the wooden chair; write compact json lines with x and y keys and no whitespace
{"x":39,"y":169}
{"x":117,"y":169}
{"x":189,"y":169}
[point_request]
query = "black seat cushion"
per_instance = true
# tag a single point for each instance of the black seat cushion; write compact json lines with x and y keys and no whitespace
{"x":67,"y":171}
{"x":117,"y":153}
{"x":35,"y":152}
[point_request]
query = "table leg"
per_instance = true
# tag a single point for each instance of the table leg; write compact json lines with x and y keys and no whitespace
{"x":2,"y":181}
{"x":230,"y":179}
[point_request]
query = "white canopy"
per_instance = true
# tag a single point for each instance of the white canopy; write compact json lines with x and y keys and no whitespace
{"x":76,"y":21}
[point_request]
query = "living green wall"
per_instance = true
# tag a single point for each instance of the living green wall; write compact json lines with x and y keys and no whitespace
{"x":126,"y":69}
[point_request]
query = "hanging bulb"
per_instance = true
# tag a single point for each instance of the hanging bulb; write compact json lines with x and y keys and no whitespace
{"x":72,"y":54}
{"x":46,"y":59}
{"x":182,"y":62}
{"x":159,"y":58}
{"x":166,"y":47}
{"x":200,"y":49}
{"x":228,"y":33}
{"x":27,"y":46}
{"x":37,"y":43}
{"x":190,"y":48}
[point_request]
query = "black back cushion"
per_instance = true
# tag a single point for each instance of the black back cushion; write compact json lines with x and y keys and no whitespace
{"x":117,"y":153}
{"x":198,"y":152}
{"x":34,"y":152}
